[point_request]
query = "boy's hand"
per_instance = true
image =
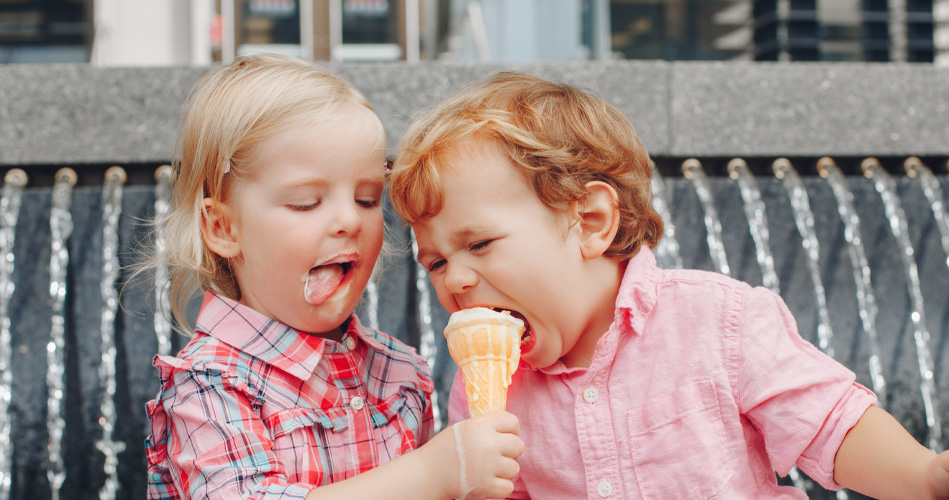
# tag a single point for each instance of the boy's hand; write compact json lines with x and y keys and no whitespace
{"x":938,"y":476}
{"x":475,"y":458}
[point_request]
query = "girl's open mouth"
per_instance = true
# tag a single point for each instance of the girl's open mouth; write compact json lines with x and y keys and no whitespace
{"x":322,"y":281}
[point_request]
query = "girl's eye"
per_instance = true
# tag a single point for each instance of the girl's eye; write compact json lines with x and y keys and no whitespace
{"x":368,"y":202}
{"x":304,"y":207}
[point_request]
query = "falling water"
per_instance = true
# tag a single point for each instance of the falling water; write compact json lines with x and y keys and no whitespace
{"x":60,"y":224}
{"x":758,"y":227}
{"x":804,"y":218}
{"x":372,"y":302}
{"x":13,"y":185}
{"x":692,"y":170}
{"x":916,"y":169}
{"x":111,"y":212}
{"x":164,"y":177}
{"x":886,"y":186}
{"x":866,"y":300}
{"x":667,"y":250}
{"x":757,"y":221}
{"x":427,"y":341}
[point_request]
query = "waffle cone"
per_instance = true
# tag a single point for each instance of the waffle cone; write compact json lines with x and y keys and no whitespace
{"x":485,"y":345}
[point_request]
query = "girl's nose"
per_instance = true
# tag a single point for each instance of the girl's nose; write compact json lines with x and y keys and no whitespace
{"x":348,"y":220}
{"x":460,"y":279}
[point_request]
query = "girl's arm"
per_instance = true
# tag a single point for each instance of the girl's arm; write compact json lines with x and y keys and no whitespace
{"x":879,"y":458}
{"x":473,"y":459}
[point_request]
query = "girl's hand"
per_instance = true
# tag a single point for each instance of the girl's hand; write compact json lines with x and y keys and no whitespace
{"x":479,"y":454}
{"x":938,"y":476}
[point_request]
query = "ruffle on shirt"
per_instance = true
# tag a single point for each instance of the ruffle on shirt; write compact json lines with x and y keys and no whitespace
{"x":160,"y":482}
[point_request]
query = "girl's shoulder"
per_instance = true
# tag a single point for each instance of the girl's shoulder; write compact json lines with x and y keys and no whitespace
{"x":390,"y":350}
{"x":205,"y":353}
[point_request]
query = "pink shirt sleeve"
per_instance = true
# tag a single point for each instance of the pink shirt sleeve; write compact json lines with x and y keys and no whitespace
{"x":802,"y":401}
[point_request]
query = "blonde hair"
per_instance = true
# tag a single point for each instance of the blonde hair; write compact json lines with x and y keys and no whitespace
{"x":228,"y":112}
{"x":558,"y":137}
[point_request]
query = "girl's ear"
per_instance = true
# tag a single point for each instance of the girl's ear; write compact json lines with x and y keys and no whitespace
{"x":599,"y":219}
{"x":218,"y":231}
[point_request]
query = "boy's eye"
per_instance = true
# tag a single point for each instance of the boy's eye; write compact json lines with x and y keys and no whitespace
{"x":480,"y":245}
{"x":435,"y":265}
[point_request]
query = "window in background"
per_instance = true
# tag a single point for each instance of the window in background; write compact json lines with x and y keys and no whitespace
{"x":268,"y":26}
{"x":43,"y":31}
{"x":371,"y":31}
{"x":681,"y":29}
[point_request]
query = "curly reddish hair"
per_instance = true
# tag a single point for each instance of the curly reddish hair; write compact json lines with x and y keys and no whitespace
{"x":559,"y":137}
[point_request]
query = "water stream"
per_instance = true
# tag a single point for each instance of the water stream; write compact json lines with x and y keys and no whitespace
{"x":886,"y":186}
{"x":427,"y":346}
{"x":14,"y":181}
{"x":866,"y":301}
{"x":111,"y":213}
{"x":915,"y":169}
{"x":804,"y":219}
{"x":60,"y":223}
{"x":757,"y":221}
{"x":692,"y":169}
{"x":164,"y":177}
{"x":667,"y":250}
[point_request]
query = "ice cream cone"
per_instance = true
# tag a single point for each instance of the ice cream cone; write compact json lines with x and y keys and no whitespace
{"x":486,"y":346}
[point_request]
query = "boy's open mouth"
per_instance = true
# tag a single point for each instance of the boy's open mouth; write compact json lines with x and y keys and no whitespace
{"x":322,"y":281}
{"x":527,"y":341}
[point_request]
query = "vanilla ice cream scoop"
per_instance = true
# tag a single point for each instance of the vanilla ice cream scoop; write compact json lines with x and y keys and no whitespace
{"x":486,"y":346}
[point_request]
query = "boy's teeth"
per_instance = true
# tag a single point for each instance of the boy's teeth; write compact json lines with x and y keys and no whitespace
{"x":322,"y":282}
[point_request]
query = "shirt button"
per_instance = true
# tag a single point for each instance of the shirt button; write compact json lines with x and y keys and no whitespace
{"x":590,"y":394}
{"x":604,"y":489}
{"x":357,"y":403}
{"x":350,"y":343}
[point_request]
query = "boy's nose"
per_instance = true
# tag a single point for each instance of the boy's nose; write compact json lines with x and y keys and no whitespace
{"x":460,"y":279}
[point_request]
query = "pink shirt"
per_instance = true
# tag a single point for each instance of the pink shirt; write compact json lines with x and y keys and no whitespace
{"x":701,"y":388}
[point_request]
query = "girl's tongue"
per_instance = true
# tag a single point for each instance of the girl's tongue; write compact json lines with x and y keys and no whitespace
{"x":322,"y":282}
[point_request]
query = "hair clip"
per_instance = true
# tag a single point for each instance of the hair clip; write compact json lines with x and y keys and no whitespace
{"x":387,"y":165}
{"x":227,"y":166}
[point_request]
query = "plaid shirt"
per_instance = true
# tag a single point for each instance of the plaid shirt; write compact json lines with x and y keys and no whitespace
{"x":252,"y":408}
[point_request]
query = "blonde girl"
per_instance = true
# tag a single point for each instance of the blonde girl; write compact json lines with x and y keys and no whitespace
{"x":281,"y":393}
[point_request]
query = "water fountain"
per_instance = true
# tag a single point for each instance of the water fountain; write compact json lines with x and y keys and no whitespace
{"x":803,"y":234}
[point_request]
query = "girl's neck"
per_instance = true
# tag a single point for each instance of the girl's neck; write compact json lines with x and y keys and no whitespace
{"x":336,"y":334}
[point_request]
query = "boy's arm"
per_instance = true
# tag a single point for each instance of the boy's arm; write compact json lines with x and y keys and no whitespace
{"x":879,"y":458}
{"x":474,"y":459}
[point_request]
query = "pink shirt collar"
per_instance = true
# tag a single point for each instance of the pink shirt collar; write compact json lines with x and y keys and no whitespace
{"x":634,"y":302}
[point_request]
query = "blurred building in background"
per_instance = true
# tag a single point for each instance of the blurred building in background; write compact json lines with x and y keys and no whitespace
{"x":199,"y":32}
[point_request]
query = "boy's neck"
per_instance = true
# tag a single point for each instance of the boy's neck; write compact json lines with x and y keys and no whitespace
{"x":606,"y":277}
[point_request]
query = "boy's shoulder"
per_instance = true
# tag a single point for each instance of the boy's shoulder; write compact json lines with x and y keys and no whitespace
{"x":702,"y":277}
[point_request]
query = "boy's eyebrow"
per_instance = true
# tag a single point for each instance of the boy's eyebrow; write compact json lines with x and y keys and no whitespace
{"x":458,"y":239}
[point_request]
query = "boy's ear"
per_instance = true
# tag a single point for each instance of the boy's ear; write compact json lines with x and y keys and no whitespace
{"x":217,"y":230}
{"x":598,"y":219}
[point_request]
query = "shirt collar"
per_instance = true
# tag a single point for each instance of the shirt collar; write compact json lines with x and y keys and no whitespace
{"x":269,"y":340}
{"x":637,"y":292}
{"x":634,"y":302}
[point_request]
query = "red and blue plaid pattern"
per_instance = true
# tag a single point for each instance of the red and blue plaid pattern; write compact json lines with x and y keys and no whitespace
{"x":252,"y":408}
